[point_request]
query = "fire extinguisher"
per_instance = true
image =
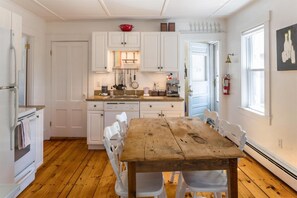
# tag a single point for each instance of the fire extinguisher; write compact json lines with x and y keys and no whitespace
{"x":226,"y":84}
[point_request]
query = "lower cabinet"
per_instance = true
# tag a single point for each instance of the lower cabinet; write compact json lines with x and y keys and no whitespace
{"x":161,"y":109}
{"x":39,"y":138}
{"x":95,"y":128}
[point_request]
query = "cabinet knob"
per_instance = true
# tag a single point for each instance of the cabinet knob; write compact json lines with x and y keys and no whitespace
{"x":172,"y":106}
{"x":37,"y":116}
{"x":101,"y":114}
{"x":95,"y":105}
{"x":122,"y":43}
{"x":151,"y":106}
{"x":105,"y":67}
{"x":159,"y":114}
{"x":125,"y":43}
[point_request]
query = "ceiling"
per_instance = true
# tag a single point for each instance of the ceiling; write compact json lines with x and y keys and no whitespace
{"x":68,"y":10}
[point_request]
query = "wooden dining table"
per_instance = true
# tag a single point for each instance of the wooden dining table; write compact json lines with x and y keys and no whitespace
{"x":178,"y":144}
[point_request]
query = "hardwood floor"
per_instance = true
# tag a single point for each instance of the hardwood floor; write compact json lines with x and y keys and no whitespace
{"x":71,"y":170}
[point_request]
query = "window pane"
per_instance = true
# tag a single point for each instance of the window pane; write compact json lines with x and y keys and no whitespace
{"x":256,"y":91}
{"x":199,"y":67}
{"x":257,"y":50}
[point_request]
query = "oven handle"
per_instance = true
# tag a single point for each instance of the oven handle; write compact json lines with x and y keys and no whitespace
{"x":31,"y":118}
{"x":25,"y":176}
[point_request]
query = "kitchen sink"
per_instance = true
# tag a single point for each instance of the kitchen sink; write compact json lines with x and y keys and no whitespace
{"x":124,"y":96}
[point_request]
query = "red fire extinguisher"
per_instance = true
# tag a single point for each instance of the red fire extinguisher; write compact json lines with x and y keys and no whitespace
{"x":226,"y":84}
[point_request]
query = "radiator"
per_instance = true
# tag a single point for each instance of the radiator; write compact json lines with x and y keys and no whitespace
{"x":272,"y":165}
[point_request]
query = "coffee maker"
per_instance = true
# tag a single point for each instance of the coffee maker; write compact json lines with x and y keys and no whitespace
{"x":172,"y":87}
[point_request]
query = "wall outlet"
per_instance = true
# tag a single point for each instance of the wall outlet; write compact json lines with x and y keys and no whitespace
{"x":280,"y":143}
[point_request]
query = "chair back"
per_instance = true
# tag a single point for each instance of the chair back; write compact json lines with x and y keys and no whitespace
{"x":123,"y":122}
{"x":113,"y":152}
{"x":234,"y":132}
{"x":211,"y":118}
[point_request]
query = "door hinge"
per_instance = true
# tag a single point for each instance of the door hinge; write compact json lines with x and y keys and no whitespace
{"x":50,"y":123}
{"x":51,"y":52}
{"x":27,"y":46}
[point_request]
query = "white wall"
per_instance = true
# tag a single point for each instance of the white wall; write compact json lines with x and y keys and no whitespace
{"x":283,"y":84}
{"x":34,"y":27}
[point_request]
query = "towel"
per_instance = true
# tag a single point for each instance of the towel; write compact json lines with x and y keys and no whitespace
{"x":24,"y":134}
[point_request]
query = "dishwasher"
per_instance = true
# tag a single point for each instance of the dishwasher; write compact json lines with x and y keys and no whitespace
{"x":111,"y":109}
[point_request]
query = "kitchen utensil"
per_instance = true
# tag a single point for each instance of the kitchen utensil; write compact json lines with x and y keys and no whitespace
{"x":130,"y":78}
{"x":135,"y":84}
{"x":126,"y":27}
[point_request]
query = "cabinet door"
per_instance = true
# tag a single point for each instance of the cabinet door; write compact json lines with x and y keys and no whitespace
{"x":169,"y":51}
{"x":115,"y":39}
{"x":132,"y":39}
{"x":99,"y":52}
{"x":39,"y":138}
{"x":150,"y":114}
{"x":150,"y":51}
{"x":95,"y":127}
{"x":172,"y":114}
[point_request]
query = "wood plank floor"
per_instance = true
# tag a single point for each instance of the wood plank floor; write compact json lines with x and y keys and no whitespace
{"x":71,"y":170}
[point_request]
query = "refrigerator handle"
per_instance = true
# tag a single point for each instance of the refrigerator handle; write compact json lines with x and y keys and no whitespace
{"x":15,"y":59}
{"x":15,"y":90}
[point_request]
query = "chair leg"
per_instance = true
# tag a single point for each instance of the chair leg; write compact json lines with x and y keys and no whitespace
{"x":163,"y":193}
{"x":218,"y":195}
{"x":181,"y":187}
{"x":171,"y":180}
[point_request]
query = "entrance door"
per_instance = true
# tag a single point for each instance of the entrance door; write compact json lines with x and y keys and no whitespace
{"x":198,"y":90}
{"x":69,"y":88}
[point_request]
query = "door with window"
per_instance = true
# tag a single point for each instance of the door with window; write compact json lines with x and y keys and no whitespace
{"x":69,"y":89}
{"x":199,"y":84}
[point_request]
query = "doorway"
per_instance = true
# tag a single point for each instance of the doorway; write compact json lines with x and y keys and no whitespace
{"x":202,"y":78}
{"x":69,"y":89}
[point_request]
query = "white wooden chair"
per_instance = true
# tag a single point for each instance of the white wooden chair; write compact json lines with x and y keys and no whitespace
{"x":211,"y":181}
{"x":211,"y":118}
{"x":147,"y":184}
{"x":123,"y":122}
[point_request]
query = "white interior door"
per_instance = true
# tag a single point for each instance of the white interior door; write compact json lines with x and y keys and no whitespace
{"x":199,"y":92}
{"x":69,"y":89}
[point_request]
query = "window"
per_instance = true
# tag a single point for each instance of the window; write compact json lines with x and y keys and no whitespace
{"x":253,"y":61}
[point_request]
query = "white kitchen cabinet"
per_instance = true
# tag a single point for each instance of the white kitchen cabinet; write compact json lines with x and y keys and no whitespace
{"x":95,"y":128}
{"x":159,"y":51}
{"x":39,"y":138}
{"x":161,"y":109}
{"x":99,"y":52}
{"x":124,"y":40}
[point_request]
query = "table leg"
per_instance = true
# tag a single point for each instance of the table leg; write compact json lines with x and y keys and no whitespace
{"x":131,"y":180}
{"x":232,"y":179}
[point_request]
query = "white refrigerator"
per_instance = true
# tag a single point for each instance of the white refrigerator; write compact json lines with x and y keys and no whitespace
{"x":8,"y":104}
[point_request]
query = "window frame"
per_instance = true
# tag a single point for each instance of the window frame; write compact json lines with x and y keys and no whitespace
{"x":246,"y":74}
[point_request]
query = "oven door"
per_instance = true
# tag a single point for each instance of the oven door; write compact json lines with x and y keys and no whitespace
{"x":25,"y":157}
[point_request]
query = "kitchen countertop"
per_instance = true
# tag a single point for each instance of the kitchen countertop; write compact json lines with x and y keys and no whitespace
{"x":140,"y":98}
{"x":37,"y":107}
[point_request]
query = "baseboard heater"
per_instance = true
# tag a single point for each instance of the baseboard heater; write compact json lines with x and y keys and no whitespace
{"x":272,"y":161}
{"x":281,"y":171}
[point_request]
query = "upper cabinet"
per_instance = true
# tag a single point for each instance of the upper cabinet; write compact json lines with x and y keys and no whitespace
{"x":124,"y":40}
{"x":99,"y":52}
{"x":159,"y":51}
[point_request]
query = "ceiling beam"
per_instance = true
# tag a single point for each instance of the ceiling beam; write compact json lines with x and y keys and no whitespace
{"x":49,"y":10}
{"x":164,"y":7}
{"x":104,"y":7}
{"x":221,"y":7}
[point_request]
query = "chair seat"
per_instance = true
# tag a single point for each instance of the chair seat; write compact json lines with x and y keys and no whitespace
{"x":147,"y":184}
{"x":203,"y":181}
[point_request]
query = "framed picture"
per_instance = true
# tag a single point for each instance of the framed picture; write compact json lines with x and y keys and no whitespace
{"x":171,"y":27}
{"x":163,"y":27}
{"x":286,"y":40}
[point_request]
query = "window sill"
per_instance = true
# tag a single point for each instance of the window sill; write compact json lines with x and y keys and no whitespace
{"x":255,"y":115}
